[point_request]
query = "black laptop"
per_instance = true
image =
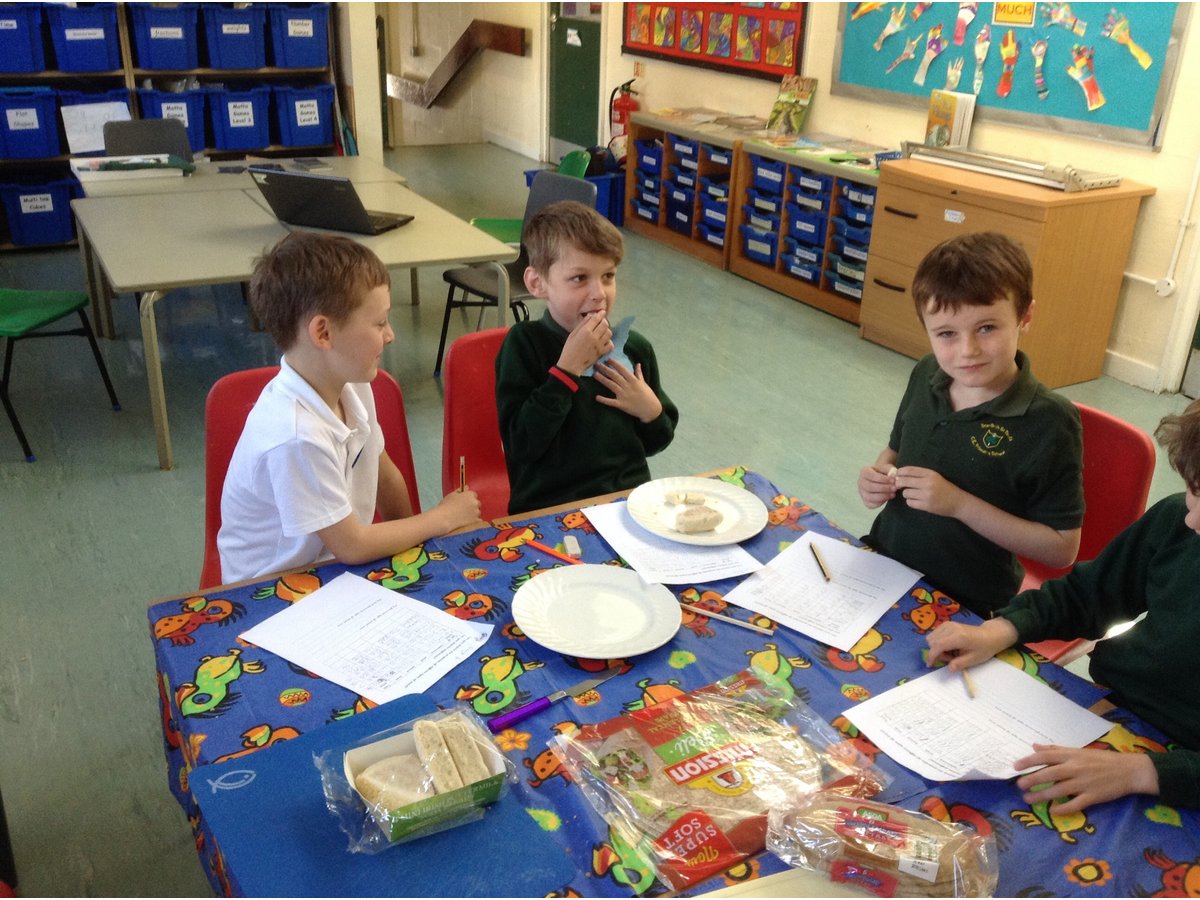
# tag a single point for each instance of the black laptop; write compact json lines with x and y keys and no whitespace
{"x":321,"y":201}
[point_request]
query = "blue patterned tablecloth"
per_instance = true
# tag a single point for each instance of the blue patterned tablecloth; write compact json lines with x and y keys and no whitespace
{"x":222,"y":698}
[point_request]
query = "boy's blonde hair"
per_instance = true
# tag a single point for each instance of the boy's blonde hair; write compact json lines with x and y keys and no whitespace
{"x":570,"y":223}
{"x":976,"y":269}
{"x":1180,"y":437}
{"x":308,"y":274}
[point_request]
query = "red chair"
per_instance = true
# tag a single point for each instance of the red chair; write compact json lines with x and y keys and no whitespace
{"x":229,"y":403}
{"x":1118,"y":465}
{"x":470,"y":424}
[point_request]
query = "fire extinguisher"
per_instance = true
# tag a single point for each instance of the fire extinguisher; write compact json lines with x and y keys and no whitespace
{"x":621,"y":104}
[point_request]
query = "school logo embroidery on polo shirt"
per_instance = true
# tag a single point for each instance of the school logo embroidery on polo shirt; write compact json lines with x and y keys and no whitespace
{"x":992,"y":440}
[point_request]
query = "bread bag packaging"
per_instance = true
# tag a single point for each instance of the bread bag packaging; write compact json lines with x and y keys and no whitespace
{"x":689,"y":781}
{"x":415,"y":779}
{"x":882,"y":849}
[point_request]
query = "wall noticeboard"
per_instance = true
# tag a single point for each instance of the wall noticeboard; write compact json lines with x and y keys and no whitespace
{"x":764,"y":40}
{"x":1119,"y":93}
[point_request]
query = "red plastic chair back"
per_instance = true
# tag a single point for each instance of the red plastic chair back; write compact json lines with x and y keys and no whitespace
{"x":1118,"y":465}
{"x":471,"y":425}
{"x":229,"y":403}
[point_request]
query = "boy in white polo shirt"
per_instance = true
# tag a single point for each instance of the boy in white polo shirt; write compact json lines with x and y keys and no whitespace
{"x":310,"y":470}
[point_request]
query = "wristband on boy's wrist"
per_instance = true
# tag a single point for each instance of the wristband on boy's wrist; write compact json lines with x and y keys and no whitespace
{"x":566,"y":379}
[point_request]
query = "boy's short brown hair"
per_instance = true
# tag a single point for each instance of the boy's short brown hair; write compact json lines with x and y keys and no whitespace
{"x":975,"y":269}
{"x":1180,"y":437}
{"x":570,"y":223}
{"x":308,"y":274}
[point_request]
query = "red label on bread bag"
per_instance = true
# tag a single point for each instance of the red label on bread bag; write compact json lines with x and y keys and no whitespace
{"x":881,"y":884}
{"x":869,"y":825}
{"x":694,"y":848}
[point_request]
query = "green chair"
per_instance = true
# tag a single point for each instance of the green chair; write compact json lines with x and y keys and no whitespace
{"x":22,"y":313}
{"x":573,"y":165}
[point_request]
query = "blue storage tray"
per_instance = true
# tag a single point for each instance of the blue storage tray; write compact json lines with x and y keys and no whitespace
{"x":809,"y":227}
{"x":767,"y":174}
{"x":850,"y":289}
{"x":684,"y":177}
{"x":186,"y":106}
{"x":680,"y":216}
{"x":804,"y":253}
{"x":84,"y":37}
{"x":649,"y":156}
{"x":237,"y":38}
{"x":716,"y":186}
{"x":757,"y":219}
{"x":304,"y":115}
{"x":299,"y":35}
{"x":801,"y":268}
{"x":845,"y":269}
{"x":759,"y":246}
{"x":856,"y":213}
{"x":710,"y":234}
{"x":683,"y":147}
{"x":850,"y":250}
{"x":648,"y":181}
{"x":764,"y":202}
{"x":811,"y":181}
{"x":851,"y":232}
{"x":642,"y":211}
{"x":858,"y":193}
{"x":650,"y":198}
{"x":240,"y":119}
{"x":40,"y":214}
{"x":714,"y":212}
{"x":680,"y":195}
{"x":29,"y":123}
{"x":813,"y":201}
{"x":21,"y":38}
{"x":164,"y":37}
{"x":721,"y":156}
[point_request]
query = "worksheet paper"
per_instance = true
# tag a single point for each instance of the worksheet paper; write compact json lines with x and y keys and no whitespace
{"x":934,"y":727}
{"x":369,"y":640}
{"x":662,"y":561}
{"x":792,"y":590}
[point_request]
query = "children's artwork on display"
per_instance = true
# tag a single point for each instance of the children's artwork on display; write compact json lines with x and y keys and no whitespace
{"x":760,"y":39}
{"x":1099,"y":70}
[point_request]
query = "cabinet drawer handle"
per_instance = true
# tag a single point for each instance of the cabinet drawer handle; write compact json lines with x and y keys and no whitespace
{"x":891,"y":287}
{"x":899,"y":212}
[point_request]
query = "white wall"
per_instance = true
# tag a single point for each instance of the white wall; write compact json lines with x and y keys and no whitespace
{"x":500,"y":98}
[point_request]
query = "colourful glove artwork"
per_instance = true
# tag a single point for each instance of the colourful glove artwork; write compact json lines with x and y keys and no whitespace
{"x":1010,"y":51}
{"x":1060,"y":14}
{"x":953,"y":73}
{"x":1038,"y":50}
{"x":983,"y":41}
{"x":1116,"y":27}
{"x":895,"y":23}
{"x":966,"y":15}
{"x":910,"y":50}
{"x":1083,"y":72}
{"x":933,"y":47}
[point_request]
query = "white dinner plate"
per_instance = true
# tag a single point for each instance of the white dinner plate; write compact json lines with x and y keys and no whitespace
{"x":743,"y":514}
{"x":597,"y":612}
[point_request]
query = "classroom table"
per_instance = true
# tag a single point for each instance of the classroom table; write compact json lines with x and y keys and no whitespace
{"x":150,"y":244}
{"x":254,"y":702}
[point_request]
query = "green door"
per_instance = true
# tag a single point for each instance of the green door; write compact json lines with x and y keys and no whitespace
{"x":574,"y":77}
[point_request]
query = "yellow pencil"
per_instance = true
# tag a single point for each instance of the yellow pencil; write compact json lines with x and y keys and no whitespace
{"x":820,"y":562}
{"x":462,"y":473}
{"x":969,"y":682}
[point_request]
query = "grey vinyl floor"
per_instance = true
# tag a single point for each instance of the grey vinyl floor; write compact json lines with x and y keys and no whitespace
{"x":93,"y":532}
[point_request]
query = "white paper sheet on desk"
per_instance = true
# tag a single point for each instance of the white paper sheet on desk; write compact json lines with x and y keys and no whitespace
{"x":662,"y":561}
{"x":932,"y":726}
{"x":792,"y":590}
{"x":368,"y":639}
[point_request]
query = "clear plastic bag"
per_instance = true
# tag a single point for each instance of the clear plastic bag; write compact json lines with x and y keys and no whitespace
{"x":882,"y":849}
{"x":688,"y":782}
{"x":413,"y":780}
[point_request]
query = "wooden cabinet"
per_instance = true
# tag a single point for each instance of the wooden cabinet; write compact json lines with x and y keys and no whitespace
{"x":1078,"y":244}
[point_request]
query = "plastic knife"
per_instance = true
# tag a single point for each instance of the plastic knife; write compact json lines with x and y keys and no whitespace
{"x":521,"y":713}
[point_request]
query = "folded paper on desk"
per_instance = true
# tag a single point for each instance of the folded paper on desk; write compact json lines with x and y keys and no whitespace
{"x":148,"y":165}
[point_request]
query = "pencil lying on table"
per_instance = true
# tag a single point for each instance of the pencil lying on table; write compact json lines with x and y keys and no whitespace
{"x":462,"y":473}
{"x":550,"y":551}
{"x":820,"y":561}
{"x":700,"y":610}
{"x":969,"y":683}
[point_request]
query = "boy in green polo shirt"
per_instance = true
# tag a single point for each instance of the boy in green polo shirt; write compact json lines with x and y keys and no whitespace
{"x":1151,"y":567}
{"x":984,"y":463}
{"x":578,"y":414}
